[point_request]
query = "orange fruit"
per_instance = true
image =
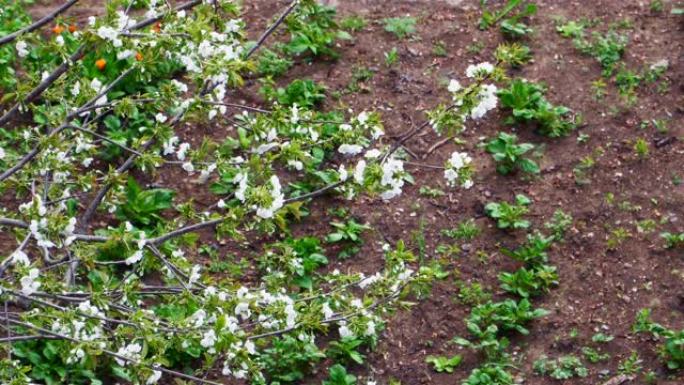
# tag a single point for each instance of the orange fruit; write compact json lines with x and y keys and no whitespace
{"x":138,"y":56}
{"x":101,"y":64}
{"x":58,"y":29}
{"x":72,"y":28}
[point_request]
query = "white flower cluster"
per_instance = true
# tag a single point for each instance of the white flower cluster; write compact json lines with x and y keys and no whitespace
{"x":479,"y":70}
{"x":112,"y":33}
{"x":97,"y":86}
{"x":217,"y":46}
{"x":29,"y":283}
{"x":454,"y":86}
{"x":277,"y":200}
{"x":350,"y":149}
{"x":487,"y":101}
{"x":22,"y":48}
{"x":137,"y":256}
{"x":392,"y":178}
{"x":362,"y":121}
{"x":458,"y":170}
{"x":81,"y":329}
{"x":131,"y":352}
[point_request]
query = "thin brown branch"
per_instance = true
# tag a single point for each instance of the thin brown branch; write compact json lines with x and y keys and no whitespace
{"x":13,"y":223}
{"x":272,"y":28}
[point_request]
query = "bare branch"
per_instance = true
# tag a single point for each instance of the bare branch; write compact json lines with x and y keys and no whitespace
{"x":272,"y":28}
{"x":13,"y":223}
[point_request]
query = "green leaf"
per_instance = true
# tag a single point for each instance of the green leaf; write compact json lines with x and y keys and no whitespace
{"x":529,"y":166}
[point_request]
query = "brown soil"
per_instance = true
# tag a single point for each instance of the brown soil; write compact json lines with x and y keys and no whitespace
{"x":600,"y":289}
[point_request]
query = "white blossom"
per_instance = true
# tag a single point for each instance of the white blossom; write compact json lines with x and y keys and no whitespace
{"x":242,"y":181}
{"x":21,"y":47}
{"x":19,"y":257}
{"x":29,"y":283}
{"x":488,"y":101}
{"x":481,"y":69}
{"x":350,"y":149}
{"x":342,"y":171}
{"x":194,"y":274}
{"x":277,"y":200}
{"x":209,"y":339}
{"x":154,"y":377}
{"x":345,"y":331}
{"x":362,"y":118}
{"x":76,"y":89}
{"x":392,"y":178}
{"x":454,"y":86}
{"x":125,"y":54}
{"x":182,"y":150}
{"x":135,"y":257}
{"x":161,"y":118}
{"x":359,"y":171}
{"x":188,"y":166}
{"x":327,"y":311}
{"x":130,"y":351}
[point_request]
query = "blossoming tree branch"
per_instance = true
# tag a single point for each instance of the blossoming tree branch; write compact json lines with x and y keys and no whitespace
{"x":99,"y":277}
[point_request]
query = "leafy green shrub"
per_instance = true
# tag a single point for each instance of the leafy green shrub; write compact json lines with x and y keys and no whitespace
{"x":509,"y":215}
{"x":511,"y":26}
{"x":270,"y":63}
{"x":348,"y":233}
{"x":529,"y":282}
{"x":313,"y":30}
{"x":12,"y":18}
{"x":488,"y":321}
{"x":289,"y":360}
{"x":607,"y":49}
{"x":563,"y":368}
{"x":673,"y":240}
{"x":338,"y":376}
{"x":302,"y":92}
{"x":345,"y":350}
{"x":306,"y":251}
{"x":507,"y":315}
{"x":535,"y":277}
{"x":472,"y":294}
{"x":533,"y":252}
{"x":672,"y":349}
{"x":142,"y":207}
{"x":444,"y":364}
{"x":528,"y":104}
{"x":48,"y":365}
{"x":508,"y":155}
{"x":353,"y":23}
{"x":571,"y":29}
{"x":401,"y":27}
{"x":513,"y":54}
{"x":559,"y":224}
{"x":466,"y":230}
{"x":493,"y":373}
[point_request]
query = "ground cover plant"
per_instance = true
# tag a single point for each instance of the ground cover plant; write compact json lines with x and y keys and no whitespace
{"x":342,"y":193}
